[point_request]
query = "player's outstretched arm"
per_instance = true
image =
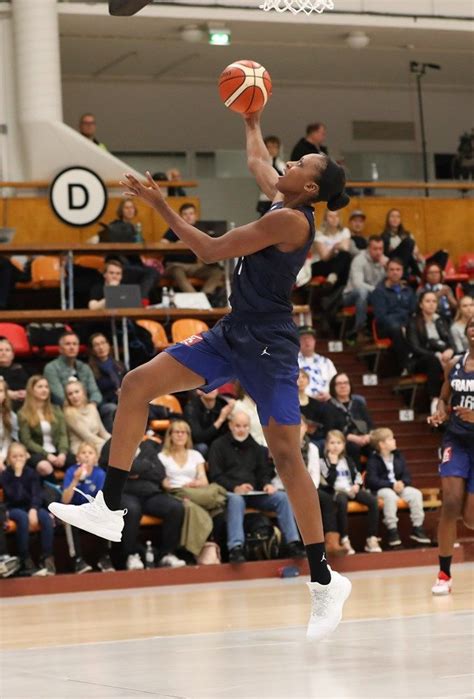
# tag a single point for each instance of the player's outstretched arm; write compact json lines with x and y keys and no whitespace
{"x":286,"y":227}
{"x":258,"y":159}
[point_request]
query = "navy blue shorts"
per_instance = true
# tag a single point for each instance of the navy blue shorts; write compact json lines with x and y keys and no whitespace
{"x":262,"y":355}
{"x":458,"y":460}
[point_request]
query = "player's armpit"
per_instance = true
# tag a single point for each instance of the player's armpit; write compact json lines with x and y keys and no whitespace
{"x":284,"y":227}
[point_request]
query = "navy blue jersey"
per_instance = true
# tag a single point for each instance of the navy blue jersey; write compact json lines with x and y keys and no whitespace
{"x":263,"y":281}
{"x":462,"y":393}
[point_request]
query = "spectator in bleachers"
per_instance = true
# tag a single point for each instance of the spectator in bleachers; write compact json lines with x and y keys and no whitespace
{"x":180,"y":266}
{"x":59,"y":370}
{"x":356,"y":225}
{"x":348,"y":414}
{"x":458,"y":328}
{"x":207,"y":414}
{"x":331,"y":256}
{"x":311,"y":458}
{"x":113,"y":276}
{"x":388,"y":477}
{"x":366,"y":272}
{"x":83,"y":419}
{"x":13,"y":373}
{"x":394,"y":303}
{"x":144,"y":494}
{"x":320,"y":369}
{"x":240,"y":465}
{"x":273,"y":146}
{"x":186,"y":479}
{"x":43,"y":429}
{"x":23,"y":498}
{"x":85,"y":476}
{"x":311,"y":409}
{"x":341,"y":479}
{"x":108,"y":371}
{"x":312,"y":142}
{"x":88,"y":128}
{"x":400,"y":243}
{"x":174,"y":175}
{"x":8,"y":423}
{"x":433,"y":281}
{"x":10,"y":274}
{"x":245,"y":404}
{"x":431,"y":344}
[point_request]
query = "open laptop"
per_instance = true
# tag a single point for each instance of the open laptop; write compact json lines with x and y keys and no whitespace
{"x":123,"y":296}
{"x":213,"y":228}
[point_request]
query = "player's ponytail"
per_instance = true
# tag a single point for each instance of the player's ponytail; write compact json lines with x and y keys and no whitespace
{"x":338,"y":202}
{"x":332,"y":185}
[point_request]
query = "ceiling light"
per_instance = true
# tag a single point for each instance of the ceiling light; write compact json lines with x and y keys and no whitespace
{"x":358,"y":40}
{"x":192,"y":33}
{"x":219,"y":36}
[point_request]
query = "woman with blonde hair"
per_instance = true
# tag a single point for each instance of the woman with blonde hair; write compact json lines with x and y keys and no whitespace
{"x":331,"y":256}
{"x":340,"y":478}
{"x":43,"y":429}
{"x":82,"y":418}
{"x":186,"y":479}
{"x":8,"y":423}
{"x":458,"y":328}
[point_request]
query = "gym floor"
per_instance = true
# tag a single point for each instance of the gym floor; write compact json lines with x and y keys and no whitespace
{"x":243,"y":639}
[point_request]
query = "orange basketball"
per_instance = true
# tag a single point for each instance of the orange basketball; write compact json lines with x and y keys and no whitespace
{"x":245,"y":86}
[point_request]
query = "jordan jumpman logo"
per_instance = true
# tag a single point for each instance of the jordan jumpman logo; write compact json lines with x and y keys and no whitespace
{"x":323,"y":558}
{"x":265,"y":351}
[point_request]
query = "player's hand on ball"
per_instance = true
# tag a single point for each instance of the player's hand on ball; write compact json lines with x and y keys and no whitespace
{"x":150,"y":193}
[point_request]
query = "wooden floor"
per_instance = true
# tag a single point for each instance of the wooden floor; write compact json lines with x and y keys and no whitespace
{"x":52,"y":644}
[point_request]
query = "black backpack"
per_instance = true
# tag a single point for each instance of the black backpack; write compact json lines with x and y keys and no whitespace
{"x":262,"y":539}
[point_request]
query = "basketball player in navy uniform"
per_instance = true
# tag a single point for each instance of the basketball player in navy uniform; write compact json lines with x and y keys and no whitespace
{"x":457,"y":461}
{"x":257,"y":343}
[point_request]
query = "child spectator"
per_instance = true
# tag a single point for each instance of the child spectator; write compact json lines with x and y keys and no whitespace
{"x":83,"y":419}
{"x":310,"y":455}
{"x":340,"y":478}
{"x":22,"y":492}
{"x":8,"y":423}
{"x":389,"y":478}
{"x":43,"y":429}
{"x":108,"y":372}
{"x":88,"y":478}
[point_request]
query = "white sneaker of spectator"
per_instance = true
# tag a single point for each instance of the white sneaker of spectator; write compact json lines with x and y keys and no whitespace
{"x":372,"y":545}
{"x":9,"y":565}
{"x":327,"y":602}
{"x":134,"y":562}
{"x":346,"y":544}
{"x":442,"y":585}
{"x":94,"y":517}
{"x":171,"y":561}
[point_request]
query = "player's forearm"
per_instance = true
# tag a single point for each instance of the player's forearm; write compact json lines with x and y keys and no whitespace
{"x":256,"y":149}
{"x":200,"y":243}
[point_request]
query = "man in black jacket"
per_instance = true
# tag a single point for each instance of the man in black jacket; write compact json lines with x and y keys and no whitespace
{"x":144,"y":494}
{"x":207,"y":415}
{"x":389,"y":478}
{"x":312,"y":143}
{"x":241,"y":466}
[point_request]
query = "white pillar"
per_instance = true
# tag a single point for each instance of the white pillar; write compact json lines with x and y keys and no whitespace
{"x":11,"y":151}
{"x":38,"y":70}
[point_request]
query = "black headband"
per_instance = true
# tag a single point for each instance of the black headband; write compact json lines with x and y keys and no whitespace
{"x":332,"y":186}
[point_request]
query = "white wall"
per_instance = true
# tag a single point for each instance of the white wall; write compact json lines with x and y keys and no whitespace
{"x":161,"y":116}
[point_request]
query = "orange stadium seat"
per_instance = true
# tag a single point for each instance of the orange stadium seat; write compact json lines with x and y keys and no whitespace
{"x":46,"y":271}
{"x":157,"y":332}
{"x":170,"y":402}
{"x":18,"y":338}
{"x":185,"y":327}
{"x":91,"y":261}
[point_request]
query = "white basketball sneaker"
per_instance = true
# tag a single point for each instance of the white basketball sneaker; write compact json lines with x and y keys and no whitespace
{"x":94,"y":517}
{"x":327,"y":602}
{"x":442,"y":585}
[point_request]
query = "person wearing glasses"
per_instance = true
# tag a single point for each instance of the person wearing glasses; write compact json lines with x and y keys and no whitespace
{"x":88,"y":127}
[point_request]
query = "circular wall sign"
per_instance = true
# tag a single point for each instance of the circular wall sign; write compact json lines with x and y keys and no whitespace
{"x":78,"y":196}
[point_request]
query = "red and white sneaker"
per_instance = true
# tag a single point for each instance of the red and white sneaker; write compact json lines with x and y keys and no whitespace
{"x":442,"y":585}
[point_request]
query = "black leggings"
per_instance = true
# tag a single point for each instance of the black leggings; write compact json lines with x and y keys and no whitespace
{"x":328,"y":511}
{"x":430,"y":365}
{"x":161,"y":505}
{"x":365,"y":498}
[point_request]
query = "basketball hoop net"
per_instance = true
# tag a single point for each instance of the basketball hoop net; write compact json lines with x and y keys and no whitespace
{"x":296,"y":6}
